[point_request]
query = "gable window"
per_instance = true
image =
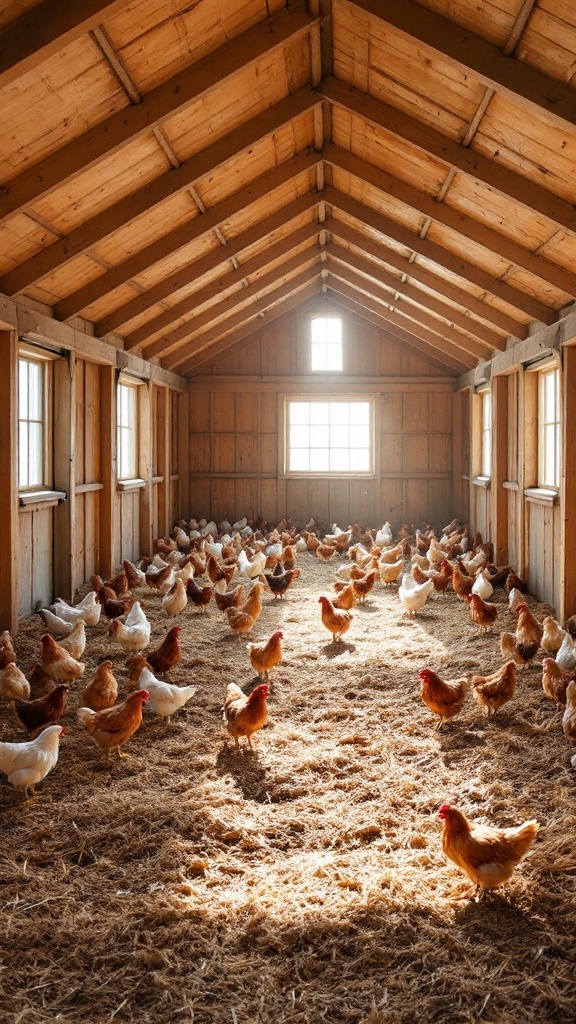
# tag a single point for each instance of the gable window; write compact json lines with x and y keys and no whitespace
{"x":33,"y":468}
{"x":486,"y":451}
{"x":332,"y":436}
{"x":549,"y":428}
{"x":127,"y":422}
{"x":326,"y":344}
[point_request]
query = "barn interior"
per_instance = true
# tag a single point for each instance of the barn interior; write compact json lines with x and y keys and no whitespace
{"x":186,"y":188}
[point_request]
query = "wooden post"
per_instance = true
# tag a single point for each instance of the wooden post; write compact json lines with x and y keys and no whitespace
{"x":147,"y":525}
{"x":64,"y":378}
{"x":109,"y":556}
{"x":9,"y":534}
{"x":568,"y":485}
{"x":499,"y":469}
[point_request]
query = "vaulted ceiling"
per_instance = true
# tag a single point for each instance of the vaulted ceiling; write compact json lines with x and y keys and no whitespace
{"x":177,"y":172}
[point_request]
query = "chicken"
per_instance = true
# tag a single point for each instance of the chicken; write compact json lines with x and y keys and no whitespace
{"x":487,"y":855}
{"x":324,"y":552}
{"x":253,"y":603}
{"x":245,"y":715}
{"x":7,"y":655}
{"x":528,"y":634}
{"x":35,"y":714}
{"x":13,"y":683}
{"x":400,"y":550}
{"x":102,"y":690}
{"x":54,"y":624}
{"x":412,"y":595}
{"x":462,"y":583}
{"x":232,"y":599}
{"x":279,"y":582}
{"x":444,"y":697}
{"x":390,"y":571}
{"x":509,"y":650}
{"x":365,"y":586}
{"x":555,"y":681}
{"x":165,"y":698}
{"x":157,"y":578}
{"x":239,"y":621}
{"x":569,"y":716}
{"x":566,"y":657}
{"x":168,"y":654}
{"x":288,"y":558}
{"x":75,"y":642}
{"x":40,"y":682}
{"x":134,"y":633}
{"x":336,"y":620}
{"x":496,"y":689}
{"x":88,"y":609}
{"x":266,"y":655}
{"x":113,"y":727}
{"x":134,"y":576}
{"x":113,"y":606}
{"x":482,"y":613}
{"x":27,"y":764}
{"x":482,"y":585}
{"x":346,"y":598}
{"x":57,"y":662}
{"x":199,"y":596}
{"x":515,"y":598}
{"x":552,"y":635}
{"x":175,"y":599}
{"x":514,"y":581}
{"x":441,"y":579}
{"x":218,"y":572}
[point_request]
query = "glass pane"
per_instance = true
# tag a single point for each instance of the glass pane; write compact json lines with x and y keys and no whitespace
{"x":360,"y":437}
{"x":319,"y":460}
{"x":318,"y":330}
{"x":318,"y":360}
{"x":132,"y":395}
{"x":23,"y":455}
{"x":23,"y":389}
{"x":299,"y":412}
{"x":339,"y":412}
{"x":339,"y":437}
{"x":35,"y":459}
{"x":34,"y":391}
{"x":360,"y":460}
{"x":319,"y":412}
{"x":300,"y":461}
{"x":320,"y":437}
{"x":360,"y":412}
{"x":333,"y":357}
{"x":340,"y":460}
{"x":299,"y":437}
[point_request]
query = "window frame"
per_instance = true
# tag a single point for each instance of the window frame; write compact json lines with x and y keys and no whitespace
{"x":543,"y":427}
{"x":44,"y":360}
{"x":283,"y":437}
{"x":486,"y":434}
{"x":132,"y":386}
{"x":312,"y":344}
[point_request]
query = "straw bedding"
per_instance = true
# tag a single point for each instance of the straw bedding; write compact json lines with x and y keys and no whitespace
{"x":304,"y":882}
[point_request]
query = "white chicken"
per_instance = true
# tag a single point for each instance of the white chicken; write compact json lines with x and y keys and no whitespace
{"x":175,"y":599}
{"x":384,"y":536}
{"x":75,"y":642}
{"x":482,"y":586}
{"x":88,"y":609}
{"x":13,"y":683}
{"x":515,"y":598}
{"x":165,"y":698}
{"x":413,"y":596}
{"x":54,"y":624}
{"x":566,"y":656}
{"x":26,"y":764}
{"x":134,"y":633}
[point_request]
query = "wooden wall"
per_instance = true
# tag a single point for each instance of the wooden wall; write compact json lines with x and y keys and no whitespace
{"x":236,"y":426}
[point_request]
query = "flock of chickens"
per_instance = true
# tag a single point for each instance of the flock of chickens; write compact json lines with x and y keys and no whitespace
{"x":199,"y":563}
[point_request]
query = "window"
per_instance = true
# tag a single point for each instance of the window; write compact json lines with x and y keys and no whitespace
{"x":32,"y":420}
{"x":486,"y":454}
{"x":334,"y":436}
{"x":127,"y":419}
{"x":326,"y":344}
{"x":549,"y":428}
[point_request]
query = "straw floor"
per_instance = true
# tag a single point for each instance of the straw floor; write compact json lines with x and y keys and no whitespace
{"x":305,"y":882}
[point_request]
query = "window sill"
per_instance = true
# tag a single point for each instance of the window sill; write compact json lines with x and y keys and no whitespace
{"x":44,"y":498}
{"x":541,"y":496}
{"x":481,"y":481}
{"x":510,"y":485}
{"x":135,"y":484}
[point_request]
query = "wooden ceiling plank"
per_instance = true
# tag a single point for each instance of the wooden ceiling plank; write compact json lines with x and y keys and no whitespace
{"x":230,"y":275}
{"x":144,"y":200}
{"x":428,"y":278}
{"x":485,"y":337}
{"x":517,"y":187}
{"x":527,"y":86}
{"x":437,"y":341}
{"x":280,"y":294}
{"x":218,"y":257}
{"x":229,"y":307}
{"x":446,"y":215}
{"x":442,"y":257}
{"x":302,"y":301}
{"x":125,"y":126}
{"x":345,"y":296}
{"x":40,"y":32}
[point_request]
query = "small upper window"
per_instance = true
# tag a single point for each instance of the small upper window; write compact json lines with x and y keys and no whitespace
{"x":32,"y":469}
{"x":549,"y":428}
{"x":127,"y":419}
{"x":486,"y":460}
{"x":326,"y":344}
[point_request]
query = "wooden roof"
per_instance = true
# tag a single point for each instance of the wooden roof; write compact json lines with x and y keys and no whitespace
{"x":176,"y":172}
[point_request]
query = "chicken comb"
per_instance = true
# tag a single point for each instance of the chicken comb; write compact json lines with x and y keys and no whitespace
{"x":443,"y":811}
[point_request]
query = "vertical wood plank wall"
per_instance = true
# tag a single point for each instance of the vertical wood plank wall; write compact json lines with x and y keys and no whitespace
{"x":236,"y":432}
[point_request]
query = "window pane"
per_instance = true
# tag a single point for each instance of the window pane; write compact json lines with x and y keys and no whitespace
{"x":23,"y":454}
{"x":360,"y":460}
{"x":360,"y":413}
{"x":35,"y":459}
{"x":319,"y":460}
{"x":319,"y":412}
{"x":299,"y":412}
{"x":34,"y":391}
{"x":299,"y":460}
{"x":23,"y":389}
{"x":320,"y":437}
{"x":299,"y":437}
{"x":340,"y":460}
{"x":339,"y":412}
{"x":359,"y":437}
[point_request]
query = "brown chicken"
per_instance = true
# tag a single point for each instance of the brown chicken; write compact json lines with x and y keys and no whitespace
{"x":365,"y":586}
{"x":346,"y":598}
{"x":40,"y":682}
{"x":496,"y":689}
{"x":35,"y":714}
{"x":279,"y":582}
{"x":57,"y":662}
{"x":288,"y":558}
{"x":486,"y":854}
{"x":112,"y":606}
{"x":444,"y":697}
{"x":514,"y":581}
{"x":232,"y":599}
{"x":119,"y":583}
{"x":7,"y":655}
{"x":266,"y":655}
{"x":218,"y":572}
{"x":102,"y":690}
{"x":462,"y":583}
{"x":113,"y":727}
{"x":156,"y":578}
{"x":245,"y":715}
{"x":168,"y":654}
{"x":253,"y":603}
{"x":555,"y":681}
{"x":569,"y":717}
{"x":337,"y":620}
{"x":240,"y":621}
{"x":528,"y":634}
{"x":443,"y":578}
{"x":482,"y":613}
{"x":324,"y":552}
{"x":199,"y":596}
{"x":134,"y":576}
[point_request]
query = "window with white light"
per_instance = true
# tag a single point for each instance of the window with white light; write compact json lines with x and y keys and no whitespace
{"x":329,"y":436}
{"x":549,"y":428}
{"x":32,"y":423}
{"x":486,"y":456}
{"x":127,"y":421}
{"x":326,"y":344}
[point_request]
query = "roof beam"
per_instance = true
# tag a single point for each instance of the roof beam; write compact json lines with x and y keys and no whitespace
{"x":442,"y":257}
{"x":242,"y":317}
{"x":303,"y":300}
{"x":351,"y":301}
{"x":230,"y":276}
{"x":526,"y":85}
{"x":517,"y":187}
{"x":143,"y":201}
{"x":447,"y":216}
{"x":40,"y":32}
{"x":486,"y":339}
{"x":181,"y":236}
{"x":342,"y":232}
{"x":168,"y":347}
{"x":366,"y":297}
{"x":112,"y":135}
